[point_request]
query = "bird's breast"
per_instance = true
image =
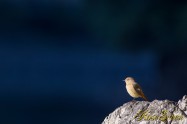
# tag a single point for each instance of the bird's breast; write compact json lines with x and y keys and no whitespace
{"x":132,"y":92}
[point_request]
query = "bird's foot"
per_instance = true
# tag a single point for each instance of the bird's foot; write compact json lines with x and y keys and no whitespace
{"x":133,"y":100}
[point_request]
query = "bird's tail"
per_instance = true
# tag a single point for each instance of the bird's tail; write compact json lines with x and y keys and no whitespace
{"x":145,"y":98}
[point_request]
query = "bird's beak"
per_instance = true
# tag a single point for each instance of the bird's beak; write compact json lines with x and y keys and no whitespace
{"x":123,"y":80}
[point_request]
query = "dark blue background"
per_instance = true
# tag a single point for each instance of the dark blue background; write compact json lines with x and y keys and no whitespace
{"x":63,"y":62}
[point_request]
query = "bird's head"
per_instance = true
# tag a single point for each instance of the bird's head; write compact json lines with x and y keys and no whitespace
{"x":129,"y":80}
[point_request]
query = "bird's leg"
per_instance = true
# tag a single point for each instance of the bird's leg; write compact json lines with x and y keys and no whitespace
{"x":133,"y":100}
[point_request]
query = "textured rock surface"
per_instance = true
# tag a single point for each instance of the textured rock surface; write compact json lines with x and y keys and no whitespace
{"x":155,"y":112}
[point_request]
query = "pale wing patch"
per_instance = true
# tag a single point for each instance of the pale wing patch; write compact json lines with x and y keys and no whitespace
{"x":138,"y":89}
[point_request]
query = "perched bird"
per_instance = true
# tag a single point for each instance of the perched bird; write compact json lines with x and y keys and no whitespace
{"x":134,"y":88}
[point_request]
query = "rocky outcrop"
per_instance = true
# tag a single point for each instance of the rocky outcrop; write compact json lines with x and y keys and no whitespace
{"x":155,"y":112}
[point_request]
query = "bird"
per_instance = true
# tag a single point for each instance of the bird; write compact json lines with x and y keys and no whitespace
{"x":134,"y":88}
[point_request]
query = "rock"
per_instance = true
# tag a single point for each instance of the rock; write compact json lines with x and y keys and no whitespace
{"x":155,"y":112}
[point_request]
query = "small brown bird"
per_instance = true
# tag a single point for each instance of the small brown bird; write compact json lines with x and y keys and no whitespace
{"x":134,"y":88}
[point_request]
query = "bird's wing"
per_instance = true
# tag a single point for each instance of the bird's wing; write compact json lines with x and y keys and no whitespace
{"x":139,"y":91}
{"x":138,"y":88}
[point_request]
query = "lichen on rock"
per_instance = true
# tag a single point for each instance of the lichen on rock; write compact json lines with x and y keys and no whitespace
{"x":155,"y":112}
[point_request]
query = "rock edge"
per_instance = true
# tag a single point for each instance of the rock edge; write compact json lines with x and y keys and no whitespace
{"x":155,"y":112}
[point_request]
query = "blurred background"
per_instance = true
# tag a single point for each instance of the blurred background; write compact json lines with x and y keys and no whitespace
{"x":63,"y":61}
